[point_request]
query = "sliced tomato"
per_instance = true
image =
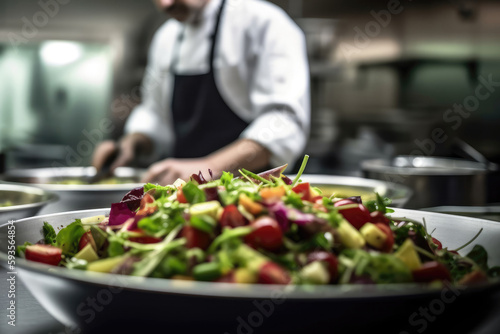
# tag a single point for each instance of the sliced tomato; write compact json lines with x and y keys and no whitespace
{"x":379,"y":217}
{"x":271,"y":273}
{"x":304,"y":190}
{"x":231,"y":217}
{"x":389,"y":242}
{"x":431,"y":271}
{"x":437,"y":243}
{"x":180,"y":196}
{"x":146,"y":209}
{"x":330,"y":259}
{"x":474,"y":277}
{"x":196,"y":238}
{"x":47,"y":254}
{"x":267,"y":234}
{"x":87,"y":238}
{"x":146,"y":239}
{"x":358,"y":215}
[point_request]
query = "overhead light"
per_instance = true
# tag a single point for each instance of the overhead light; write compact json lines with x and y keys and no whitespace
{"x":58,"y":53}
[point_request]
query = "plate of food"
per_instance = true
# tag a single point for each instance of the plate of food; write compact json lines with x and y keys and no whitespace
{"x":256,"y":253}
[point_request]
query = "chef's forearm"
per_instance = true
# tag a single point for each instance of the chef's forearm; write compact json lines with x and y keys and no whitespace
{"x":244,"y":153}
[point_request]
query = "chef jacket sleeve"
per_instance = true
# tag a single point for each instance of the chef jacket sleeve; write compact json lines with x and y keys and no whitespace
{"x":279,"y":92}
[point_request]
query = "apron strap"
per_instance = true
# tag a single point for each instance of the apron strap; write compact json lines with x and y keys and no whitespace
{"x":213,"y":38}
{"x":216,"y":35}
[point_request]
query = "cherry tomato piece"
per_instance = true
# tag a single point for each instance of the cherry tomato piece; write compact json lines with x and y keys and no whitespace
{"x":379,"y":217}
{"x":437,"y":243}
{"x":267,"y":234}
{"x":430,"y":271}
{"x":389,"y":242}
{"x":330,"y":259}
{"x":146,"y":239}
{"x":474,"y":277}
{"x":196,"y":238}
{"x":47,"y":254}
{"x":357,"y":216}
{"x":231,"y":217}
{"x":180,"y":196}
{"x":146,"y":209}
{"x":271,"y":273}
{"x":87,"y":238}
{"x":304,"y":190}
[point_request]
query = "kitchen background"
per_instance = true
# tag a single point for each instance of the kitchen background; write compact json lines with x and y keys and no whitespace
{"x":384,"y":76}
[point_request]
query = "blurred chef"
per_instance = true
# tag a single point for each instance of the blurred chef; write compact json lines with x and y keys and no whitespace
{"x":226,"y":87}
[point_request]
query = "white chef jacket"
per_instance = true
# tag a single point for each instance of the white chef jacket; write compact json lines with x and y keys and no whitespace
{"x":260,"y":68}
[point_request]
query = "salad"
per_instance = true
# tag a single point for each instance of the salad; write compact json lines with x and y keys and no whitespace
{"x":256,"y":228}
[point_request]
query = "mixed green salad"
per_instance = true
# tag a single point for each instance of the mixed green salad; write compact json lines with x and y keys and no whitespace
{"x":256,"y":228}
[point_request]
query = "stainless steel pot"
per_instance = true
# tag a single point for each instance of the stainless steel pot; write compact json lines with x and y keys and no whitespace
{"x":435,"y":181}
{"x":76,"y":196}
{"x":23,"y":201}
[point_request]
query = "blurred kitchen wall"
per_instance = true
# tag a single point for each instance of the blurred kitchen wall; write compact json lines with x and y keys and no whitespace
{"x":384,"y":75}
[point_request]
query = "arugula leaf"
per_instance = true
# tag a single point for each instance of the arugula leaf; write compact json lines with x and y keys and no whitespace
{"x":301,"y":170}
{"x":69,"y":237}
{"x":49,"y":234}
{"x":226,"y":178}
{"x":479,"y":255}
{"x":458,"y":268}
{"x":160,"y":191}
{"x":163,"y":221}
{"x":294,"y":200}
{"x":193,"y":194}
{"x":379,"y":204}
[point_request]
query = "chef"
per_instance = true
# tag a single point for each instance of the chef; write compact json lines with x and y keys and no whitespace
{"x":226,"y":87}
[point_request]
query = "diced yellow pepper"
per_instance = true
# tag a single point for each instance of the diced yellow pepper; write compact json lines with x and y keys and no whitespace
{"x":408,"y":254}
{"x":350,"y":236}
{"x":373,"y":235}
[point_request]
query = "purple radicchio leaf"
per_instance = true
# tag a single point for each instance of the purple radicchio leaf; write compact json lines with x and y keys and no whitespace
{"x":278,"y":211}
{"x":133,"y":198}
{"x":211,"y":194}
{"x":120,"y":213}
{"x":356,"y":199}
{"x":200,"y":179}
{"x":300,"y":218}
{"x":288,"y":181}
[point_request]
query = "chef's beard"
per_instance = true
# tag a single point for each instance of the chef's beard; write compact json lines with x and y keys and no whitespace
{"x":183,"y":13}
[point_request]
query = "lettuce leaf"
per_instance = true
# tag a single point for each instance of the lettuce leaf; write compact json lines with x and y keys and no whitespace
{"x":49,"y":234}
{"x":69,"y":237}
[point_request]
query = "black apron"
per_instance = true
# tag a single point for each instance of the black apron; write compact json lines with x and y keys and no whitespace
{"x":203,"y":122}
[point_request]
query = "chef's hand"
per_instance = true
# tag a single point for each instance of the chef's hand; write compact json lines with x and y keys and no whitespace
{"x":243,"y":153}
{"x":167,"y":171}
{"x":123,"y":152}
